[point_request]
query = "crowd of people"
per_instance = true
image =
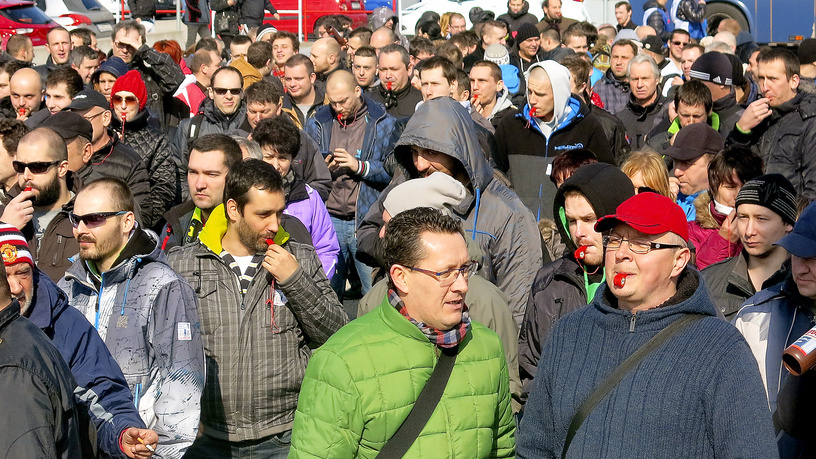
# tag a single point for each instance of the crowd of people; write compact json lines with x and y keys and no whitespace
{"x":526,"y":238}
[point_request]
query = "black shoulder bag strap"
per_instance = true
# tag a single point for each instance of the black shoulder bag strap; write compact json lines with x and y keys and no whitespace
{"x":631,"y":362}
{"x":404,"y":437}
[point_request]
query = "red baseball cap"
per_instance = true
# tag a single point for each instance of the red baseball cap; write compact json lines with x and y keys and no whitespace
{"x":649,"y":213}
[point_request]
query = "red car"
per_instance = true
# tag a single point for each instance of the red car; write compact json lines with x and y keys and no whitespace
{"x":314,"y":10}
{"x":22,"y":17}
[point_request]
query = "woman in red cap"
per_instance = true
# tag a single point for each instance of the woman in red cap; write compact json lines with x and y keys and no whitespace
{"x":132,"y":121}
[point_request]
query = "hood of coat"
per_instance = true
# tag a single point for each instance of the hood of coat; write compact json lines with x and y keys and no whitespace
{"x":603,"y":185}
{"x":445,"y":126}
{"x":216,"y":228}
{"x":48,"y":302}
{"x":565,"y":106}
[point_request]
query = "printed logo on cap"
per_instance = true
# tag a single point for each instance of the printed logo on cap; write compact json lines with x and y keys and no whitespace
{"x":9,"y":253}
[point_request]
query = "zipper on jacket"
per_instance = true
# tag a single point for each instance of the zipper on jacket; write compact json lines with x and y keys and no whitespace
{"x":632,"y":321}
{"x":56,"y":253}
{"x":99,"y":299}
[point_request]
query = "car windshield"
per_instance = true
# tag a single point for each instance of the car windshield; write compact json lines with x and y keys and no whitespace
{"x":25,"y":14}
{"x":79,"y":6}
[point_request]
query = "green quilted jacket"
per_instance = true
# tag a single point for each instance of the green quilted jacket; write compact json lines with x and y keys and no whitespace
{"x":362,"y":383}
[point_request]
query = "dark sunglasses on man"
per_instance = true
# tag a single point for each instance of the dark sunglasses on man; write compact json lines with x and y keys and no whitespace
{"x":94,"y":219}
{"x":36,"y":167}
{"x":223,"y":91}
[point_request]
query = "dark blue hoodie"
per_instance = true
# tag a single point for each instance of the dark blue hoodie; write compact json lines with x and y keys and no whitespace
{"x":101,"y":384}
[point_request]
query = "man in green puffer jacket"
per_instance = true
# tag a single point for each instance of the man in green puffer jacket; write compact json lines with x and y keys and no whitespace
{"x":361,"y":384}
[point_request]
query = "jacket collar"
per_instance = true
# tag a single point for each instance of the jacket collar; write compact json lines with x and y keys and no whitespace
{"x":691,"y":298}
{"x":12,"y":311}
{"x":48,"y":301}
{"x":216,"y":227}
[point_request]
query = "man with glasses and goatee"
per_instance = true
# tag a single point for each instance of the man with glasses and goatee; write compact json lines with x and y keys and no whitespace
{"x":41,"y":195}
{"x":142,"y":309}
{"x":223,"y":112}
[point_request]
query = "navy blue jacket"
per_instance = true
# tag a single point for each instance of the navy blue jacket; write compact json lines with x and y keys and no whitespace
{"x":698,"y":395}
{"x":101,"y":384}
{"x":374,"y":152}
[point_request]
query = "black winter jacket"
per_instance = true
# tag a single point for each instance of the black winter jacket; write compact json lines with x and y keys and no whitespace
{"x":515,"y":20}
{"x":117,"y":160}
{"x":213,"y":121}
{"x":161,"y":162}
{"x":639,"y":120}
{"x":40,"y":415}
{"x":252,"y":12}
{"x":162,"y":77}
{"x":786,"y":142}
{"x":525,"y":153}
{"x":561,"y":286}
{"x":402,"y":105}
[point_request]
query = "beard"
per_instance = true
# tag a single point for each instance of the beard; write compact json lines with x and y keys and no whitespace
{"x":101,"y":248}
{"x":251,"y":239}
{"x":48,"y":195}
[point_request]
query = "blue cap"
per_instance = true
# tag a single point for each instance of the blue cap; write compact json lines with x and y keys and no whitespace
{"x":114,"y":65}
{"x":802,"y":240}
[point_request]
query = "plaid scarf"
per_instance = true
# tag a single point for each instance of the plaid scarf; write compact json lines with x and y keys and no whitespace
{"x":447,"y":339}
{"x":244,"y":278}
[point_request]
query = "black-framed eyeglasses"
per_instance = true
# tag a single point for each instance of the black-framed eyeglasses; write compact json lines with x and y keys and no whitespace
{"x":612,"y":242}
{"x":448,"y":277}
{"x":36,"y":167}
{"x":93,"y":220}
{"x":224,"y":91}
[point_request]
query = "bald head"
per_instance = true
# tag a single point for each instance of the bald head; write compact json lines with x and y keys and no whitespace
{"x":382,"y":37}
{"x":325,"y":55}
{"x":25,"y":88}
{"x":728,"y":38}
{"x":644,"y":31}
{"x":345,"y":95}
{"x":43,"y":141}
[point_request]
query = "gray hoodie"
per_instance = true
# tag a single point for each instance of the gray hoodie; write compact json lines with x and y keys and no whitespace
{"x":494,"y":216}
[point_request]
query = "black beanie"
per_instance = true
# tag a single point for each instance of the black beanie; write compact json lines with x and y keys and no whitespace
{"x":525,"y":32}
{"x":772,"y":191}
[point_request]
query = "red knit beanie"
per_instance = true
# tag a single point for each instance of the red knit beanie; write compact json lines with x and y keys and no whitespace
{"x":132,"y":82}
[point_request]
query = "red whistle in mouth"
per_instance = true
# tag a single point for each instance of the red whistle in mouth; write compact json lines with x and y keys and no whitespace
{"x":21,"y":111}
{"x":532,"y":112}
{"x":619,"y":280}
{"x":270,"y":241}
{"x":28,"y":188}
{"x":580,"y":254}
{"x":389,"y":85}
{"x":475,"y":97}
{"x":339,"y":117}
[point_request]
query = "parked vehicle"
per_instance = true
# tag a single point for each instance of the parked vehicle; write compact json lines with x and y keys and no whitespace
{"x":769,"y":21}
{"x":23,"y":17}
{"x":80,"y":13}
{"x":313,"y":10}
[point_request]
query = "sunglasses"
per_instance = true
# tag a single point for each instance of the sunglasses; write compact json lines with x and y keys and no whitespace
{"x":93,"y":220}
{"x":37,"y":167}
{"x":130,"y":100}
{"x":224,"y":91}
{"x":679,"y":43}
